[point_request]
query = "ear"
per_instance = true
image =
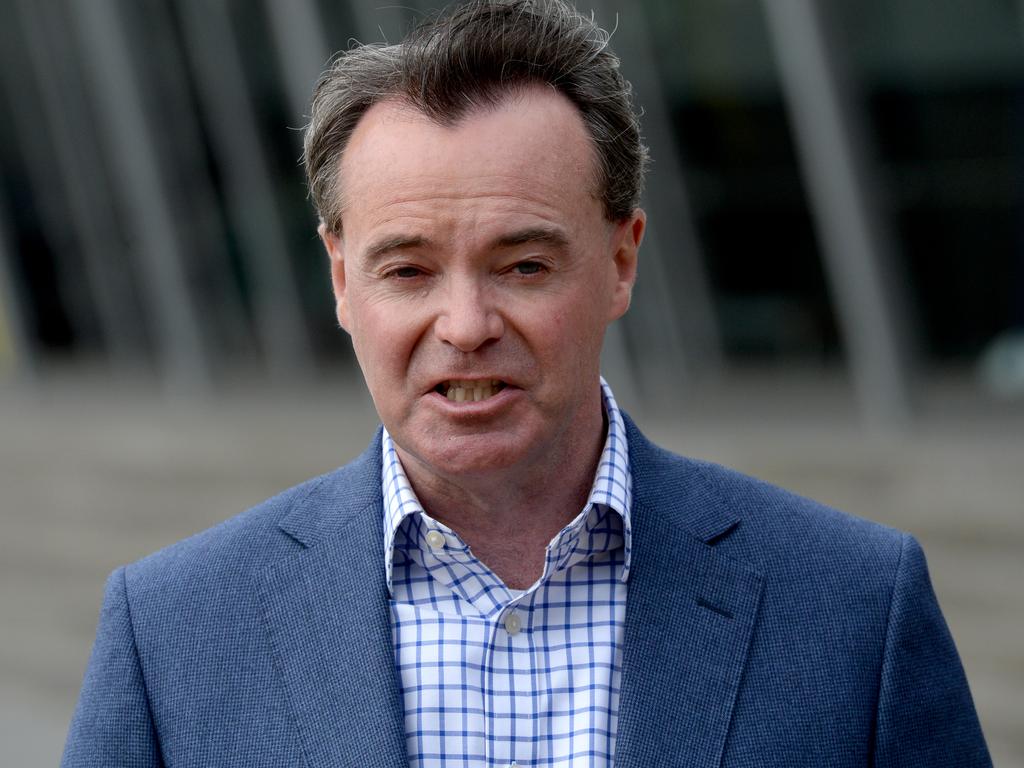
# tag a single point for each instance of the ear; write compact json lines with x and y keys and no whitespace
{"x":336,"y":254}
{"x":626,"y":239}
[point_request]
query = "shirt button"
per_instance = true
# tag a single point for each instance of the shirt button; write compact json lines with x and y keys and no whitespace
{"x":435,"y":539}
{"x":513,"y":623}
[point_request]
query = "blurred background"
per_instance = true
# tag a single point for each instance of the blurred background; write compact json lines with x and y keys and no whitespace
{"x":831,"y":292}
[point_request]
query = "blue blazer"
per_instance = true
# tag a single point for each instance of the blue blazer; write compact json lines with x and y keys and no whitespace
{"x":762,"y":629}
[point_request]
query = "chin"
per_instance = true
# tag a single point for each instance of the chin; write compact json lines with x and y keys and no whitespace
{"x":470,"y":454}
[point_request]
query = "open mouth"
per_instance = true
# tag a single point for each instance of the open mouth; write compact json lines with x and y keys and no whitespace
{"x":462,"y":391}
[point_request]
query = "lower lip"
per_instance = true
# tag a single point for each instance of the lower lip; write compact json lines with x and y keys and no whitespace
{"x":470,"y":408}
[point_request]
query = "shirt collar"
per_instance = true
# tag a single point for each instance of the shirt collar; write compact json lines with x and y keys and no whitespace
{"x":612,"y":490}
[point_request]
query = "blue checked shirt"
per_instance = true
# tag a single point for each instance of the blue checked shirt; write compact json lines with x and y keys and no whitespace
{"x":492,"y":676}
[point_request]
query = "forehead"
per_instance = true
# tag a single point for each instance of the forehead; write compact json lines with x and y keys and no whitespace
{"x":529,"y":153}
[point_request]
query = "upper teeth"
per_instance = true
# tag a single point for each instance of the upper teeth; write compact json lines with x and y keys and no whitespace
{"x":462,"y":391}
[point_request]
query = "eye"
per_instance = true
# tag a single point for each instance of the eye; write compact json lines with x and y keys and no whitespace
{"x":529,"y":268}
{"x":404,"y":273}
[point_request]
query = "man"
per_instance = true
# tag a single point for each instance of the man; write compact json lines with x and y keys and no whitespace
{"x":511,"y":574}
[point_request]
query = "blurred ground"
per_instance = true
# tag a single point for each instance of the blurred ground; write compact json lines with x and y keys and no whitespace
{"x":93,"y":475}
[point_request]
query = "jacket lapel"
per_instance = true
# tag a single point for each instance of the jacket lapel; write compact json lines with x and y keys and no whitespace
{"x":327,"y":616}
{"x":689,"y":617}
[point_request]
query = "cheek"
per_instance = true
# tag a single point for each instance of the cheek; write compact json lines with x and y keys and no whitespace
{"x":569,"y":335}
{"x":372,"y":340}
{"x":386,"y":340}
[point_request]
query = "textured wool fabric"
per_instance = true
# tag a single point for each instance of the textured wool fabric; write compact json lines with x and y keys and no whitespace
{"x":476,"y":694}
{"x":762,"y":630}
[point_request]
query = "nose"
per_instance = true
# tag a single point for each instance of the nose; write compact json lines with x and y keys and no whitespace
{"x":468,"y":320}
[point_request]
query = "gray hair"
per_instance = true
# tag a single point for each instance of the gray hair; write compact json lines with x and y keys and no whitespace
{"x":471,"y":56}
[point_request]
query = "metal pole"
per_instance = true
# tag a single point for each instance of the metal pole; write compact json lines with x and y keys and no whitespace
{"x":857,"y":253}
{"x":132,"y":150}
{"x":179,"y":138}
{"x":213,"y":48}
{"x":672,"y":329}
{"x":302,"y":48}
{"x":16,"y":354}
{"x":82,"y":177}
{"x":35,"y":151}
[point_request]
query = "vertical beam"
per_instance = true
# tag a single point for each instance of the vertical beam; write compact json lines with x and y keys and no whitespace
{"x":304,"y":46}
{"x":672,"y":327}
{"x":132,"y":150}
{"x":16,"y":354}
{"x":303,"y":50}
{"x":213,"y":48}
{"x":169,"y":101}
{"x":1017,"y":309}
{"x":35,"y":152}
{"x":857,"y":253}
{"x":75,"y":150}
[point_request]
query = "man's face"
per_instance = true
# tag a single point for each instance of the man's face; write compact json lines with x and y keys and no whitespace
{"x":476,"y":275}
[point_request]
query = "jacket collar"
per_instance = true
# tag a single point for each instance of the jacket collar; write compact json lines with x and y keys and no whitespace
{"x":337,"y":499}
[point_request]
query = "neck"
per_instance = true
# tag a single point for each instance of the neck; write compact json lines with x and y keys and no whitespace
{"x":507,"y":518}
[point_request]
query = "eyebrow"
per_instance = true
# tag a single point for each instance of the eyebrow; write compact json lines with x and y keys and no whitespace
{"x":548,"y":235}
{"x":395,"y":243}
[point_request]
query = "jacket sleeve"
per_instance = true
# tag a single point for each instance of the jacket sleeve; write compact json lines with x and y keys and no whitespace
{"x":925,"y":713}
{"x":113,"y":726}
